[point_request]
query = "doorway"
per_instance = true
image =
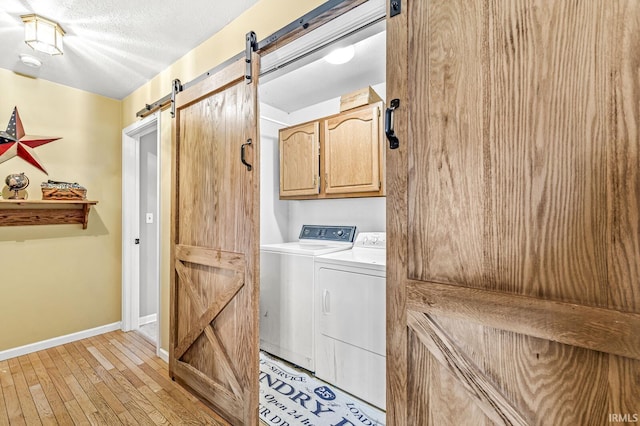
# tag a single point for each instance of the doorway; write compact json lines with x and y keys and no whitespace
{"x":298,"y":98}
{"x":140,"y":227}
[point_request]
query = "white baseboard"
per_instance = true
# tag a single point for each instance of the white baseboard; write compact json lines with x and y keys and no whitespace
{"x":147,"y":319}
{"x":57,"y":341}
{"x":164,"y":355}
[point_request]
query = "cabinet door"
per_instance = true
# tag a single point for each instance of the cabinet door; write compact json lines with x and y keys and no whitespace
{"x":299,"y":162}
{"x":352,"y":145}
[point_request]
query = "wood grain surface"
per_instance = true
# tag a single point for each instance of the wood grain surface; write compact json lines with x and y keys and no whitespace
{"x":530,"y":118}
{"x":352,"y":151}
{"x":513,"y":213}
{"x":44,"y":212}
{"x":299,"y":148}
{"x":571,"y":324}
{"x":398,"y":361}
{"x":486,"y":395}
{"x":214,"y":290}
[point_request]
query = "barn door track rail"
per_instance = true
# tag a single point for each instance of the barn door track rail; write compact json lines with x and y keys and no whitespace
{"x":300,"y":24}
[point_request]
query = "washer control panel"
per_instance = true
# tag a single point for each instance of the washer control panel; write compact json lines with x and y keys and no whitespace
{"x":328,"y":233}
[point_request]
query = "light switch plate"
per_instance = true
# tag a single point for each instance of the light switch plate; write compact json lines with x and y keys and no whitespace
{"x":149,"y":218}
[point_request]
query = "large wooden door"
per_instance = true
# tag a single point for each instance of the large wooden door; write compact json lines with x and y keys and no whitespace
{"x":215,"y":244}
{"x":513,"y":213}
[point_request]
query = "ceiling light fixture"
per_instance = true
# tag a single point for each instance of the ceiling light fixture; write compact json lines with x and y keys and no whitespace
{"x":43,"y":34}
{"x":30,"y":61}
{"x":341,"y":55}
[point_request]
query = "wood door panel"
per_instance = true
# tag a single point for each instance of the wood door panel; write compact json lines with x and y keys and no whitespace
{"x":538,"y":379}
{"x":623,"y":157}
{"x":483,"y":391}
{"x":538,"y":122}
{"x":576,"y":325}
{"x":213,"y":184}
{"x":214,"y":288}
{"x":450,"y":140}
{"x":624,"y":382}
{"x":514,"y":212}
{"x":547,"y":379}
{"x":546,"y":144}
{"x":438,"y":397}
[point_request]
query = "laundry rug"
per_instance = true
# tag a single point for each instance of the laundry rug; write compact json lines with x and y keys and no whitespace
{"x":291,"y":398}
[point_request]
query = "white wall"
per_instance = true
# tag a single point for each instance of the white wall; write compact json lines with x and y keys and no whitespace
{"x":148,"y":237}
{"x":274,"y":213}
{"x":368,"y":214}
{"x":282,"y":220}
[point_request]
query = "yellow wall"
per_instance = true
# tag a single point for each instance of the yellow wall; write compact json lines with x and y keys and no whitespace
{"x":60,"y":279}
{"x":265,"y":18}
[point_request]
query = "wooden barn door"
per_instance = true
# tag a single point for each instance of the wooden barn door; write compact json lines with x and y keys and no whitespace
{"x":513,"y":213}
{"x":215,"y":289}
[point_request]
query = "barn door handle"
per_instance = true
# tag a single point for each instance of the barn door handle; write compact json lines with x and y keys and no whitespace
{"x":242,"y":158}
{"x":394,"y":143}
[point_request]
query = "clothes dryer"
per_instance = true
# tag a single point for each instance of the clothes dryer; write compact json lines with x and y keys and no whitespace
{"x":351,"y":316}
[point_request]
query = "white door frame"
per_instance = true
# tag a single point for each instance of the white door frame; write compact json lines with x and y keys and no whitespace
{"x":131,"y":220}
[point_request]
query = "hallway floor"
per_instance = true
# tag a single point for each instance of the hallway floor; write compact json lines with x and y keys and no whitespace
{"x":150,"y":331}
{"x":110,"y":379}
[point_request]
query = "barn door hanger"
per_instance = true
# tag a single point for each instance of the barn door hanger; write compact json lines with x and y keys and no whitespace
{"x":176,"y":87}
{"x":251,"y":46}
{"x":395,"y":7}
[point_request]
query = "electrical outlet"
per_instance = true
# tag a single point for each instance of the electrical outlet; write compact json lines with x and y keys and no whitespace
{"x":149,"y":218}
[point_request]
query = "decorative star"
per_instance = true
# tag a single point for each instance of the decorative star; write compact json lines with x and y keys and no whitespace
{"x":14,"y":142}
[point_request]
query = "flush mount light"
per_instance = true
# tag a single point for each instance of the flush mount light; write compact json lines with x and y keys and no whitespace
{"x":43,"y":34}
{"x":30,"y":61}
{"x":341,"y":55}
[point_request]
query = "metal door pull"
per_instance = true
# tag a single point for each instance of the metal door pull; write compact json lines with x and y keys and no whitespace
{"x":394,"y":143}
{"x":242,"y":158}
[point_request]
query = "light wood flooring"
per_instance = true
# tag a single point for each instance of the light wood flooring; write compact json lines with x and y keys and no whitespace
{"x":111,"y":379}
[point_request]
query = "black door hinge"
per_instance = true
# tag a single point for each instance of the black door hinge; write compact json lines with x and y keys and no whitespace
{"x":395,"y":7}
{"x":251,"y":46}
{"x":176,"y":87}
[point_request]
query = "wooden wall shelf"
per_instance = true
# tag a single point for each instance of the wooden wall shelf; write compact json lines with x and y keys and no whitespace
{"x":45,"y":212}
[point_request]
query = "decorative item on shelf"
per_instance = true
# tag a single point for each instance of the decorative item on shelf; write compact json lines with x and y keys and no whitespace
{"x":16,"y":183}
{"x":53,"y":190}
{"x":14,"y":142}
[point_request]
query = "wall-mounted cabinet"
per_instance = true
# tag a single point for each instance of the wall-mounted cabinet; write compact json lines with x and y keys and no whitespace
{"x":349,"y":161}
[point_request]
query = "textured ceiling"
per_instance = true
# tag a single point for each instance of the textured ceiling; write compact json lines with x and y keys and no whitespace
{"x":112,"y":47}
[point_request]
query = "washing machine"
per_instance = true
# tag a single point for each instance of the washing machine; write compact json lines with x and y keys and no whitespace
{"x":287,"y":288}
{"x":351,"y":316}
